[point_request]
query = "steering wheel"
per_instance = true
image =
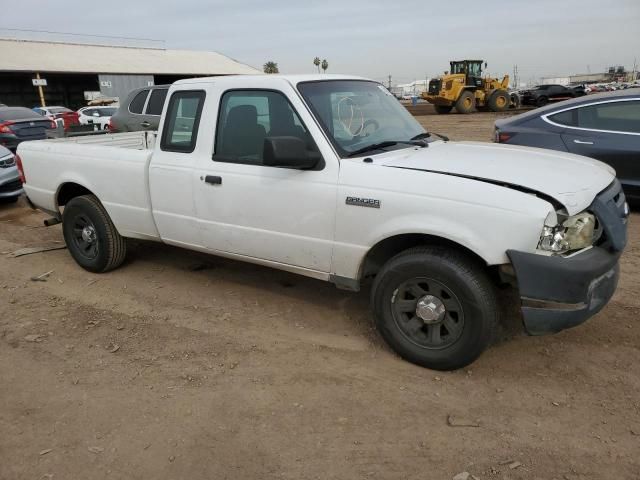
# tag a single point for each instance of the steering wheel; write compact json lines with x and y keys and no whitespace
{"x":350,"y":116}
{"x":367,"y":124}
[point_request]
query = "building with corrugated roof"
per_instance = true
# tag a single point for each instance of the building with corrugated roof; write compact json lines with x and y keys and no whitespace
{"x":75,"y":73}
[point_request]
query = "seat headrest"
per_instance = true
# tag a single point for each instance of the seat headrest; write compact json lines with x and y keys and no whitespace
{"x":247,"y":114}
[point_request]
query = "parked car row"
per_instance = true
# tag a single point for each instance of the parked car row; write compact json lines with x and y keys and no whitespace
{"x":610,"y":87}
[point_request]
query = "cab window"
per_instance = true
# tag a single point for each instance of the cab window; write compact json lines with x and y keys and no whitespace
{"x":247,"y":118}
{"x":182,"y":120}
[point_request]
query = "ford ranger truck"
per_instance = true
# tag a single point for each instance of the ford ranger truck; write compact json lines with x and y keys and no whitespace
{"x":330,"y":177}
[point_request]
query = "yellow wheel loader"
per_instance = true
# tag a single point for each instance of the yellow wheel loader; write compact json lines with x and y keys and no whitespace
{"x":464,"y":88}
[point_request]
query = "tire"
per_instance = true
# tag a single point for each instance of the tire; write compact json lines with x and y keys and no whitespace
{"x":466,"y":102}
{"x":91,"y":237}
{"x":542,"y":101}
{"x":515,"y":100}
{"x":442,"y":109}
{"x":459,"y":284}
{"x":499,"y":101}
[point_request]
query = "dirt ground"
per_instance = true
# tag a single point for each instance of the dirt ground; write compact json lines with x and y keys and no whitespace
{"x":184,"y":366}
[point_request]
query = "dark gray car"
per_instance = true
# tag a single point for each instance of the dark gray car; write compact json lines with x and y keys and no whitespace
{"x":19,"y":124}
{"x":10,"y":184}
{"x":141,"y":110}
{"x":604,"y":126}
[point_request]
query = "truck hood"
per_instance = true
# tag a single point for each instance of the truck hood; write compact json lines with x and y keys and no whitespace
{"x":572,"y":180}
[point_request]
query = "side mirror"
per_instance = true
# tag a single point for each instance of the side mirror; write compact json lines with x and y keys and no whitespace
{"x":288,"y":152}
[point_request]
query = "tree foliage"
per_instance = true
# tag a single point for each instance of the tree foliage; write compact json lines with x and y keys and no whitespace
{"x":270,"y":67}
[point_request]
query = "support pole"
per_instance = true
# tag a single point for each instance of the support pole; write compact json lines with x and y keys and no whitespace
{"x":40,"y":91}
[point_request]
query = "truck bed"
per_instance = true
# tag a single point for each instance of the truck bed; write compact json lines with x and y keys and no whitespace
{"x":114,"y":167}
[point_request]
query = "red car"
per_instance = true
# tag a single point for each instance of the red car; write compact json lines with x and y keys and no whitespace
{"x":68,"y":117}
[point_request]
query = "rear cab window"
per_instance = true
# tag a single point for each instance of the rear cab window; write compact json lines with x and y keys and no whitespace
{"x":182,"y":120}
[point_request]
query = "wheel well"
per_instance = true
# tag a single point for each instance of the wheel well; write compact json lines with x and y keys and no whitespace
{"x":384,"y":250}
{"x":70,"y":190}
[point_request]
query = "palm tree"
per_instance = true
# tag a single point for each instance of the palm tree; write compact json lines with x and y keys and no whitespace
{"x":270,"y":67}
{"x":325,"y":65}
{"x":316,"y":62}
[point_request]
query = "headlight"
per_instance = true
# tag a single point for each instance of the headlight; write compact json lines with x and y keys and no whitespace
{"x":576,"y":232}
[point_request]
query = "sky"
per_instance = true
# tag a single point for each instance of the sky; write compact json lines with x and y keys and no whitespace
{"x":408,"y":40}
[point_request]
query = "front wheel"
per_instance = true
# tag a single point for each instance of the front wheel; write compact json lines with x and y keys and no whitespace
{"x":542,"y":101}
{"x":466,"y":102}
{"x":435,"y":307}
{"x":91,"y":237}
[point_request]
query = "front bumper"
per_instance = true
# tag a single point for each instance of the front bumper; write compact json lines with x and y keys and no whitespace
{"x":562,"y":292}
{"x":10,"y":187}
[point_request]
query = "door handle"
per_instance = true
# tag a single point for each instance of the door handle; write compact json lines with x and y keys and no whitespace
{"x":145,"y":124}
{"x":213,"y":180}
{"x":582,"y":143}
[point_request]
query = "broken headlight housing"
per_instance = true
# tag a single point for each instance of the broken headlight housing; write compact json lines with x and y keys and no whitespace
{"x":574,"y":233}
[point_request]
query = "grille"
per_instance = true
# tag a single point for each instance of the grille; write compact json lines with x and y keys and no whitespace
{"x":11,"y":186}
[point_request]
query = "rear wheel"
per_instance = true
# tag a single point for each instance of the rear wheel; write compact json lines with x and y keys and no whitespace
{"x":466,"y":102}
{"x":499,"y":101}
{"x":91,"y":237}
{"x":443,"y":108}
{"x":435,"y":307}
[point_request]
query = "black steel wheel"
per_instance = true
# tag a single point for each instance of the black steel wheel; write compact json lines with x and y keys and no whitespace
{"x":85,"y":238}
{"x":90,"y":235}
{"x":435,"y":306}
{"x":428,"y":313}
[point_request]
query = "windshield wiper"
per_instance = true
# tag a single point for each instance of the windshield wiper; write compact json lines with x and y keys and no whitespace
{"x":428,"y":135}
{"x":388,"y":143}
{"x":420,"y":136}
{"x":374,"y":146}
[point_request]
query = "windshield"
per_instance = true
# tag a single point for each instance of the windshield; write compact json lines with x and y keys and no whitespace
{"x":356,"y":114}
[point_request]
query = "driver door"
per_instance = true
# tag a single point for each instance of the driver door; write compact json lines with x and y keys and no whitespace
{"x":245,"y":208}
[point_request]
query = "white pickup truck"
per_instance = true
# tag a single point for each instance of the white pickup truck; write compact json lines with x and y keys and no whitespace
{"x":329,"y":176}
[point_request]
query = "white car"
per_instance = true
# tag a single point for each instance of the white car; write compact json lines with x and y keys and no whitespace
{"x":96,"y":115}
{"x":330,"y":177}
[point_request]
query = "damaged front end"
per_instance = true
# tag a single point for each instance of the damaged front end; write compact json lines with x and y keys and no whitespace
{"x":575,"y":271}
